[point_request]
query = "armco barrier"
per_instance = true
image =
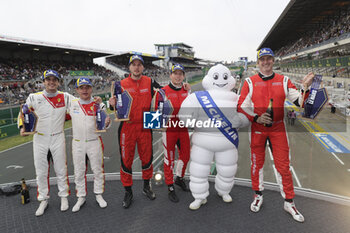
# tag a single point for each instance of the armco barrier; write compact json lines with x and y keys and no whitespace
{"x":8,"y":131}
{"x":8,"y":116}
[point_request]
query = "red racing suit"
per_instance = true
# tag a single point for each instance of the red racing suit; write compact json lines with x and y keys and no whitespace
{"x":253,"y":101}
{"x":132,"y":132}
{"x":175,"y":136}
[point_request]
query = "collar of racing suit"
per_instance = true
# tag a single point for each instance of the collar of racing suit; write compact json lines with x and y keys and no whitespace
{"x":265,"y":78}
{"x":174,"y":87}
{"x":86,"y":101}
{"x":50,"y":94}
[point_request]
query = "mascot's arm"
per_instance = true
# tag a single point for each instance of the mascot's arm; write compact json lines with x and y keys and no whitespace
{"x":244,"y":122}
{"x":238,"y":120}
{"x":189,"y":108}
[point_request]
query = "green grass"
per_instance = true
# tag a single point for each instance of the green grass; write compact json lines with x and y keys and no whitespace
{"x":9,"y":142}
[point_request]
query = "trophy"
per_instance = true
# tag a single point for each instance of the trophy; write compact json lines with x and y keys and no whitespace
{"x":164,"y":107}
{"x":100,"y":119}
{"x":29,"y":119}
{"x":124,"y":102}
{"x":316,"y":100}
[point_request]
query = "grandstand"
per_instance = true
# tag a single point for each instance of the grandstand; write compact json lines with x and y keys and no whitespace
{"x":22,"y":62}
{"x":315,"y":36}
{"x":156,"y":66}
{"x":118,"y":62}
{"x":178,"y":53}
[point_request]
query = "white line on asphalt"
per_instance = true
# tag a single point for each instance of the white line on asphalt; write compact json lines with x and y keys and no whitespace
{"x":154,"y":160}
{"x":295,"y":175}
{"x":23,"y":144}
{"x":268,"y":147}
{"x":15,"y":166}
{"x":159,"y":163}
{"x":138,"y":157}
{"x":276,"y":174}
{"x":15,"y":147}
{"x":157,"y":141}
{"x":342,"y":163}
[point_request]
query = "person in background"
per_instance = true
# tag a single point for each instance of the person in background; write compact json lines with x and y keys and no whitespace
{"x":292,"y":117}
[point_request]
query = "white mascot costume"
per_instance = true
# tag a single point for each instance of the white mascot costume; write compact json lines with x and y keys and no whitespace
{"x":218,"y":142}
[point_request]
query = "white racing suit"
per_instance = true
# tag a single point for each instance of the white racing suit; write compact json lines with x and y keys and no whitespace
{"x":87,"y":144}
{"x":49,"y":141}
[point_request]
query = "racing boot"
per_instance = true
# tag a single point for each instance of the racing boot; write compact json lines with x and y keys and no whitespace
{"x":42,"y":207}
{"x":197,"y":204}
{"x":101,"y":202}
{"x":147,"y":190}
{"x":257,"y":202}
{"x":290,"y":208}
{"x":181,"y":182}
{"x":171,"y":194}
{"x":127,"y":199}
{"x":79,"y":204}
{"x":64,"y":204}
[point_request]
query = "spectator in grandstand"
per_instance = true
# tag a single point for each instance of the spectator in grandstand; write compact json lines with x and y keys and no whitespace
{"x":87,"y":145}
{"x":258,"y":92}
{"x":27,"y":71}
{"x":49,"y":142}
{"x":334,"y":27}
{"x":175,"y":93}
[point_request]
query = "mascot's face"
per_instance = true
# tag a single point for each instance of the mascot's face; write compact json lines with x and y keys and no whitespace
{"x":219,"y":77}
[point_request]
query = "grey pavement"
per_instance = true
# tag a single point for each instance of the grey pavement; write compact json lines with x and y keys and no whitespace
{"x":161,"y":215}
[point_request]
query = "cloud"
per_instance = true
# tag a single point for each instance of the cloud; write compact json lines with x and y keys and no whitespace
{"x":218,"y":30}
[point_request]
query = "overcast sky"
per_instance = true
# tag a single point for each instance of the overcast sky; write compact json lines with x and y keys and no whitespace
{"x":216,"y":29}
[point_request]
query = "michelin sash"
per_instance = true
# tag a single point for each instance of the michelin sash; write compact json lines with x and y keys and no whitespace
{"x":214,"y":113}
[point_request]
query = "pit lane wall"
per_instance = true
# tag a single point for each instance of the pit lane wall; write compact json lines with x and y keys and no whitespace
{"x":8,"y":122}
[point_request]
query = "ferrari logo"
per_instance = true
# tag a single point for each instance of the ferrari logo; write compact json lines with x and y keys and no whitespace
{"x":58,"y":100}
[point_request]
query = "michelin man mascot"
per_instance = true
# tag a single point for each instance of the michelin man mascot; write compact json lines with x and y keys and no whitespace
{"x":217,"y":103}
